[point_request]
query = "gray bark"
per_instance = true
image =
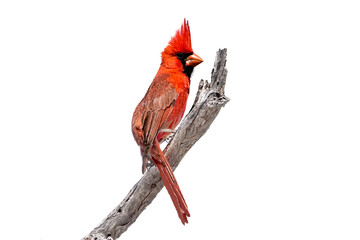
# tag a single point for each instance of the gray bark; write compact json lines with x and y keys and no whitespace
{"x":208,"y":102}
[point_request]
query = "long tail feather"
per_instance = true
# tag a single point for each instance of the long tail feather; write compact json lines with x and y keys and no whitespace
{"x":170,"y":183}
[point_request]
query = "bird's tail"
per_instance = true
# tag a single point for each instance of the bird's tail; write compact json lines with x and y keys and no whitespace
{"x":170,"y":183}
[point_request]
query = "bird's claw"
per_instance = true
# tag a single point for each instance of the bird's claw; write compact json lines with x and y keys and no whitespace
{"x":168,"y":138}
{"x":149,"y":164}
{"x":171,"y":134}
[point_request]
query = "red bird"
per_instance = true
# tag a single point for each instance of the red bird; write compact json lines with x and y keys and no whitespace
{"x":162,"y":108}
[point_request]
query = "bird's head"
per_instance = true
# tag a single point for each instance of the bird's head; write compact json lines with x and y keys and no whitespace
{"x":179,"y":54}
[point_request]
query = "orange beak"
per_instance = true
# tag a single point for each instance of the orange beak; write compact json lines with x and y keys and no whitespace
{"x":193,"y":60}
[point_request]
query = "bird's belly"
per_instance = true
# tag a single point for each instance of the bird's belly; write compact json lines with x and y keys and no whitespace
{"x":174,"y":118}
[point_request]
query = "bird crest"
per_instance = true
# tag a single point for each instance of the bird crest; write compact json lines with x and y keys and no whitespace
{"x":181,"y":41}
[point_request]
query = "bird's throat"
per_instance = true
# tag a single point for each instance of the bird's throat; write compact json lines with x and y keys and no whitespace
{"x":188,"y":70}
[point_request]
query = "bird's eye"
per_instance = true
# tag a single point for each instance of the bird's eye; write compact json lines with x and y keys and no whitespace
{"x":180,"y":56}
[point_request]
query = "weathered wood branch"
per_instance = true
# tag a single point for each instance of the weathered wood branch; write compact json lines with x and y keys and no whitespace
{"x":208,"y":102}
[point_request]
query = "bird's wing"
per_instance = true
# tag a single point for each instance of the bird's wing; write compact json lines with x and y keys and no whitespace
{"x":159,"y":102}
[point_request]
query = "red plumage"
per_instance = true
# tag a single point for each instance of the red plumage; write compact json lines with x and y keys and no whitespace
{"x":181,"y":41}
{"x":162,"y":108}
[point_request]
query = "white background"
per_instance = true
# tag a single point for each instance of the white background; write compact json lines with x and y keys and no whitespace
{"x":281,"y":161}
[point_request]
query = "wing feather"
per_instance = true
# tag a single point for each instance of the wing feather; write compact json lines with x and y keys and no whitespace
{"x":158,"y":103}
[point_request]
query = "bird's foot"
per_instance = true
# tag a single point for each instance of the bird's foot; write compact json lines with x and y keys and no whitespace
{"x":171,"y":134}
{"x":168,"y":138}
{"x":149,"y":164}
{"x":146,"y":163}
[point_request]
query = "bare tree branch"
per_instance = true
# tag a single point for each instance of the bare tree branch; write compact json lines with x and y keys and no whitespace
{"x":209,"y":100}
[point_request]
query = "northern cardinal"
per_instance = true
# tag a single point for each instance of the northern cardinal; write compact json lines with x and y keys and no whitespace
{"x":162,"y":108}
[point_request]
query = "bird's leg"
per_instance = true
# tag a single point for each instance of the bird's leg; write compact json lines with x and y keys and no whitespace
{"x":167,"y":130}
